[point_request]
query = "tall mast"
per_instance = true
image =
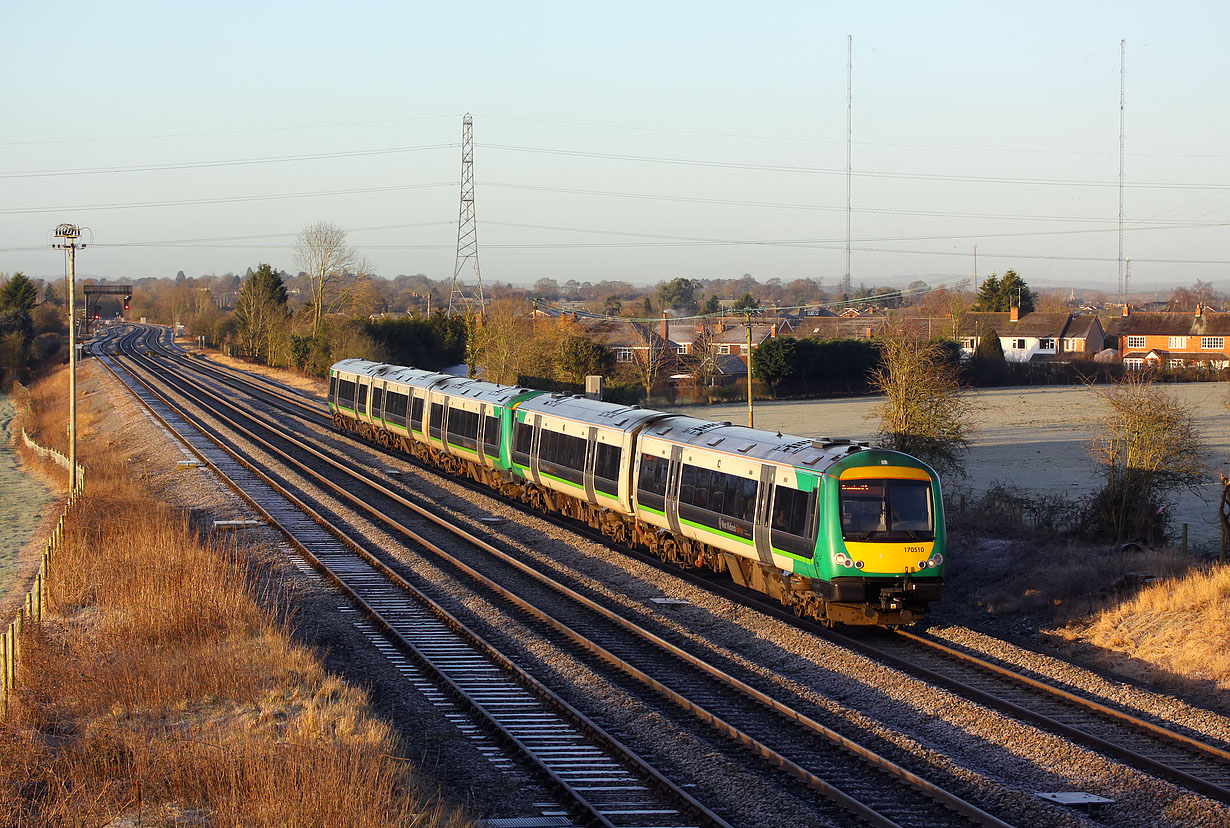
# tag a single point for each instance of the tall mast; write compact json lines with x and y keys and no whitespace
{"x":1122,"y":107}
{"x":845,"y":284}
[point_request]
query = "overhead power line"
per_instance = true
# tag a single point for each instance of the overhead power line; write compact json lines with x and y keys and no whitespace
{"x":780,"y":205}
{"x":224,"y":200}
{"x":734,"y":165}
{"x":233,"y":162}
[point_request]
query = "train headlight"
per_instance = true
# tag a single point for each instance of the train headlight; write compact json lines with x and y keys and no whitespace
{"x":931,"y":563}
{"x":841,"y":560}
{"x":858,"y":564}
{"x":936,"y":559}
{"x":925,"y":564}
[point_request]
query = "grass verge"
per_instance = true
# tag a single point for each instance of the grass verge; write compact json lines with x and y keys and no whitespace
{"x":165,"y":689}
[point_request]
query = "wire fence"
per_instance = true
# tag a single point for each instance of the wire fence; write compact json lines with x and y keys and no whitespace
{"x":31,"y":611}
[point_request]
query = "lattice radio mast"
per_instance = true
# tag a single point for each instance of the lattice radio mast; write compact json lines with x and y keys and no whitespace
{"x":845,"y":283}
{"x":1122,"y":107}
{"x":467,"y":231}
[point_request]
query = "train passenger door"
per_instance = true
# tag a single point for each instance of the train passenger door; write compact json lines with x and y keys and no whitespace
{"x":760,"y":531}
{"x":377,"y":404}
{"x":672,"y":489}
{"x":360,"y":397}
{"x":535,"y":442}
{"x":591,"y":454}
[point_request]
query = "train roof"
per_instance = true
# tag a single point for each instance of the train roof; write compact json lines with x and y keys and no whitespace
{"x":459,"y":386}
{"x":595,"y":412}
{"x":792,"y":450}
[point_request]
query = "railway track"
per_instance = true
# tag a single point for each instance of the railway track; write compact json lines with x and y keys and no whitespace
{"x":1187,"y":758}
{"x":782,"y":733}
{"x":602,"y":782}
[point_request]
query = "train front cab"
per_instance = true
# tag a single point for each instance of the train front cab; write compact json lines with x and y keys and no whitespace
{"x":881,"y":559}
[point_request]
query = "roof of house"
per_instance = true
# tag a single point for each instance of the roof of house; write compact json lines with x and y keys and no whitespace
{"x":838,"y":327}
{"x":1036,"y":325}
{"x":1173,"y":323}
{"x":615,"y":333}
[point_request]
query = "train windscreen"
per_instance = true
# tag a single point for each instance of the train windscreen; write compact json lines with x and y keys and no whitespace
{"x":886,"y":510}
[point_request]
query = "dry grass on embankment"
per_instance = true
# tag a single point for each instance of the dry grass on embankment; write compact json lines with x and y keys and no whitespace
{"x":162,"y":692}
{"x":1173,"y":631}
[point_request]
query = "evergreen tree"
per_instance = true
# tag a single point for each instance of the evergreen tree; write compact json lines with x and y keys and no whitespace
{"x":1002,"y":295}
{"x":260,"y":308}
{"x":578,"y":357}
{"x":18,"y":293}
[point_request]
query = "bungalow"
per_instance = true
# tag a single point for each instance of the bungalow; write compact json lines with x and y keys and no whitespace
{"x":1034,"y":337}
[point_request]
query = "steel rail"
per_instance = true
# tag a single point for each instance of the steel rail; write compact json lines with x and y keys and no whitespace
{"x":979,"y":695}
{"x":523,"y":677}
{"x":948,"y":800}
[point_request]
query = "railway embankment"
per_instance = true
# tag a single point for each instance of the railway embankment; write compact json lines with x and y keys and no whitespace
{"x":165,"y":684}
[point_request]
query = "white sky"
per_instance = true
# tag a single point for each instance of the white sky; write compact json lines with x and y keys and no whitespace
{"x":634,"y":141}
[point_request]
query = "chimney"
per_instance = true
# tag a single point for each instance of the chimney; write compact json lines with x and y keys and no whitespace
{"x":1125,"y":308}
{"x":773,"y":330}
{"x":666,"y":332}
{"x":1199,"y":310}
{"x":1014,"y":315}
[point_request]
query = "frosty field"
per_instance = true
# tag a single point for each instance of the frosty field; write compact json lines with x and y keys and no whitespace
{"x":1033,"y":438}
{"x":23,"y":501}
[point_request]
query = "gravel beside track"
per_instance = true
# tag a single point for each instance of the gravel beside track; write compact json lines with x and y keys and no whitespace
{"x":1001,"y":762}
{"x":444,"y":756}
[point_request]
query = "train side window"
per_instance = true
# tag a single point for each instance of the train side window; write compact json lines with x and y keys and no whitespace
{"x":377,"y":401}
{"x":416,"y":414}
{"x":792,"y":510}
{"x":654,"y":471}
{"x":749,"y":499}
{"x":606,"y":468}
{"x":687,"y":485}
{"x":436,"y":421}
{"x":361,"y":400}
{"x":395,"y":408}
{"x":491,"y":436}
{"x":704,"y":489}
{"x":333,"y":387}
{"x":345,"y":393}
{"x":523,"y":439}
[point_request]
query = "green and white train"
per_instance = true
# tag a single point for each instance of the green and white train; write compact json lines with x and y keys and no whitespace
{"x":835,"y":530}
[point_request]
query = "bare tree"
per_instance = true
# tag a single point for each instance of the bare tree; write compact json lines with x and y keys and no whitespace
{"x":648,"y":364}
{"x":701,"y":358}
{"x":334,"y":269}
{"x":925,"y":412}
{"x":1149,"y":446}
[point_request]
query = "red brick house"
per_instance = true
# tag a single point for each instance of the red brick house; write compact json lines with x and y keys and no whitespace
{"x":1169,"y":339}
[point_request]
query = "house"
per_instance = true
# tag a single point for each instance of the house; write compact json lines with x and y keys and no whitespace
{"x":629,"y":341}
{"x":1171,"y":339}
{"x":1034,"y":337}
{"x":727,"y":335}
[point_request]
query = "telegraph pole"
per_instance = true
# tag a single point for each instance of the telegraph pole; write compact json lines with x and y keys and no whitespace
{"x":751,"y":421}
{"x":67,"y":238}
